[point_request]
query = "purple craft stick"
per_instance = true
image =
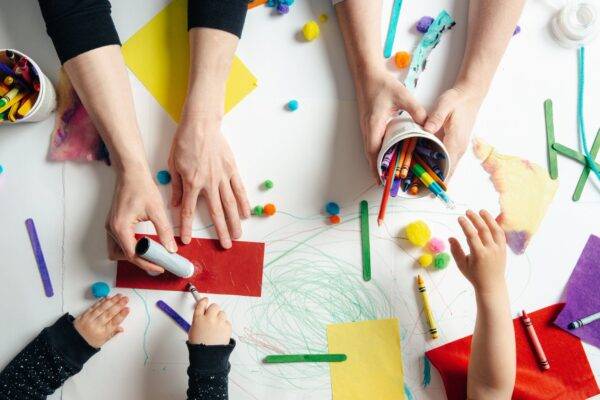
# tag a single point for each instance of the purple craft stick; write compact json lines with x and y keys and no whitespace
{"x":39,"y":257}
{"x":174,"y":316}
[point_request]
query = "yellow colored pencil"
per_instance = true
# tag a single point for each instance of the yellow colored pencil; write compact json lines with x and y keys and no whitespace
{"x":427,"y":308}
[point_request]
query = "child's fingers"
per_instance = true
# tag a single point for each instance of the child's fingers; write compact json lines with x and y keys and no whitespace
{"x":201,"y":307}
{"x":105,"y":305}
{"x":116,"y":331}
{"x":213,"y":310}
{"x":484,"y":233}
{"x":497,"y":232}
{"x":221,"y":315}
{"x":119,"y":318}
{"x":114,"y":310}
{"x":470,"y":233}
{"x":457,"y":252}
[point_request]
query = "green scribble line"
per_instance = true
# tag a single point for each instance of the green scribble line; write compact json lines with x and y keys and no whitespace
{"x":145,"y":341}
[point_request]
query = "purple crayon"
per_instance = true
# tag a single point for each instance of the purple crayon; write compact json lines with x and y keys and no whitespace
{"x":427,"y":152}
{"x":395,"y":187}
{"x":387,"y":158}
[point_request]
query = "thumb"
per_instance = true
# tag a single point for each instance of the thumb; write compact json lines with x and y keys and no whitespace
{"x":438,"y":116}
{"x":457,"y":252}
{"x":406,"y":101}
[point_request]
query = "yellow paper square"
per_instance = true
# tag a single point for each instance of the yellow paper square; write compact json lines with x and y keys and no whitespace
{"x":158,"y":54}
{"x":373,"y":369}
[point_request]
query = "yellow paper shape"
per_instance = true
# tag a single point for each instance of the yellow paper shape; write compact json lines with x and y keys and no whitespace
{"x":373,"y":369}
{"x":158,"y":54}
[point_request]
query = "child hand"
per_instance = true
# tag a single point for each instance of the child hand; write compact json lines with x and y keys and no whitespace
{"x":210,"y":325}
{"x":102,"y":321}
{"x":484,"y":267}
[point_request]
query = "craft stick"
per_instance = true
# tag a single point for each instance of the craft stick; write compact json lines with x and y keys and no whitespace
{"x":39,"y":257}
{"x":534,"y":341}
{"x":552,"y":154}
{"x":391,"y":33}
{"x":388,"y":186}
{"x":430,"y":171}
{"x":572,"y":154}
{"x":365,"y":240}
{"x":406,"y":162}
{"x":295,"y":358}
{"x":183,"y":324}
{"x":586,"y":170}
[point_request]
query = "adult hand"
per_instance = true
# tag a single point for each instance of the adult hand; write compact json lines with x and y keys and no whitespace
{"x":452,"y":120}
{"x":380,"y":97}
{"x":136,"y":199}
{"x":202,"y":164}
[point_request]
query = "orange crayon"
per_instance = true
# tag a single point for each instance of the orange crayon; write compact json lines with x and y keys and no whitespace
{"x":405,"y":162}
{"x":414,"y":188}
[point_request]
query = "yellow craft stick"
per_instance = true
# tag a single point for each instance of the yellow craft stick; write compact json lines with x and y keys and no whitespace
{"x":14,"y":100}
{"x":427,"y":308}
{"x":26,"y":105}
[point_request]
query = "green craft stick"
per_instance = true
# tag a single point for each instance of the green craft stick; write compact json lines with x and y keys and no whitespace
{"x":364,"y":239}
{"x":572,"y":154}
{"x":295,"y":358}
{"x":552,"y":154}
{"x":586,"y":170}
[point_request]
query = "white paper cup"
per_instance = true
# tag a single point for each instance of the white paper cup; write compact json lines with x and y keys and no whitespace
{"x":46,"y":100}
{"x":403,"y":127}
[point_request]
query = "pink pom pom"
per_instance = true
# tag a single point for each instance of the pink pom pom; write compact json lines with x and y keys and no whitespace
{"x":436,"y":245}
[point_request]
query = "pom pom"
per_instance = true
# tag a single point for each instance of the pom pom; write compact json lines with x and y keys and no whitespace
{"x":271,"y":3}
{"x":286,"y":2}
{"x":283,"y":8}
{"x":424,"y":23}
{"x":402,"y":59}
{"x":418,"y":233}
{"x":335,"y":219}
{"x":1,"y":169}
{"x":332,"y":208}
{"x":163,"y":177}
{"x":414,"y":189}
{"x":323,"y":18}
{"x":425,"y":260}
{"x":268,"y":184}
{"x":258,"y":210}
{"x":441,"y":261}
{"x":100,"y":289}
{"x":436,"y":245}
{"x":269,"y":209}
{"x":292,"y":105}
{"x":311,"y":31}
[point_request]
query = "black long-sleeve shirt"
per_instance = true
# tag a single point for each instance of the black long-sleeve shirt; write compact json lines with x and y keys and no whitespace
{"x":77,"y":26}
{"x":60,"y":352}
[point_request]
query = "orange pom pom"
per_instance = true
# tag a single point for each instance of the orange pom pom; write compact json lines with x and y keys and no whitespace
{"x":402,"y":59}
{"x":335,"y":219}
{"x":269,"y":209}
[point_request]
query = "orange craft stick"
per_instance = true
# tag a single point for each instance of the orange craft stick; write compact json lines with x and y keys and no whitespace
{"x":410,"y":148}
{"x":401,"y":158}
{"x":388,"y":185}
{"x":430,"y":171}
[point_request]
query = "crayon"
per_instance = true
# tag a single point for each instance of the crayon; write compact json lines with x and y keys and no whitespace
{"x":9,"y":80}
{"x":294,"y":358}
{"x":578,"y":323}
{"x":405,"y":145}
{"x":431,"y":172}
{"x":12,"y":93}
{"x":395,"y":187}
{"x":414,"y":187}
{"x":15,"y":99}
{"x":427,"y":308}
{"x":432,"y":185}
{"x":192,"y":289}
{"x":12,"y":112}
{"x":3,"y":89}
{"x":388,"y":186}
{"x":22,"y":69}
{"x":387,"y":157}
{"x":427,"y":152}
{"x":408,"y":181}
{"x":412,"y":142}
{"x":535,"y":342}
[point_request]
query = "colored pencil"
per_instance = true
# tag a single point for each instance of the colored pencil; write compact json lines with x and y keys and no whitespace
{"x":406,"y":161}
{"x":388,"y":185}
{"x":365,"y":241}
{"x":534,"y":341}
{"x":427,"y":308}
{"x":430,"y":171}
{"x":295,"y":358}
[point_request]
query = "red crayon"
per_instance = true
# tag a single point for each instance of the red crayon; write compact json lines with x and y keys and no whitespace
{"x":535,"y":342}
{"x":388,"y":185}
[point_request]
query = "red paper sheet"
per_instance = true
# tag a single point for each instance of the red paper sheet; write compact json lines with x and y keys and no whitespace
{"x":569,"y":377}
{"x":235,"y":271}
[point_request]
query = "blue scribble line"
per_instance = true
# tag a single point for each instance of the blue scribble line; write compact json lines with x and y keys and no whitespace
{"x":144,"y":343}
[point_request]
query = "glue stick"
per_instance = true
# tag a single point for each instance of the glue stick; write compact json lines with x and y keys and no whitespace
{"x":154,"y":252}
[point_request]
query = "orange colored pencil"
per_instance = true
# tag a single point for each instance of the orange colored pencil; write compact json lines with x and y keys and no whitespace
{"x":410,"y":149}
{"x":388,"y":185}
{"x":427,"y":168}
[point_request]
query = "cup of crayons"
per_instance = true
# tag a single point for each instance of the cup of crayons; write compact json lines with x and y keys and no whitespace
{"x":413,"y":163}
{"x":26,"y":94}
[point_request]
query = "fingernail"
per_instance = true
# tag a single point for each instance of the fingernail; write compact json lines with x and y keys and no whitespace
{"x":226,"y":244}
{"x":186,"y":239}
{"x":172,"y":247}
{"x":429,"y":127}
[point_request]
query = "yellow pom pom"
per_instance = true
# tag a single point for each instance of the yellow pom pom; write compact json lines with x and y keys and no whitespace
{"x":425,"y":260}
{"x":418,"y":233}
{"x":402,"y":59}
{"x":311,"y":30}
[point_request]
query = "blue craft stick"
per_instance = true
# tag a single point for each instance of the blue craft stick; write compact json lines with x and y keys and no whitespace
{"x":391,"y":33}
{"x":174,"y":316}
{"x":39,"y":257}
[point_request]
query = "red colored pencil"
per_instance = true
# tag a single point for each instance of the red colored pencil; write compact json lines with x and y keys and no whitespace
{"x":388,"y":185}
{"x":535,"y":342}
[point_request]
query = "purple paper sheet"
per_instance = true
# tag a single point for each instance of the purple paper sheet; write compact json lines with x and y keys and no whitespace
{"x":582,"y":294}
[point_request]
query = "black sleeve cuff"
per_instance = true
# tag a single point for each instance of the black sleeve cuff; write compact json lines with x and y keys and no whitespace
{"x":224,"y":15}
{"x":65,"y":339}
{"x":80,"y":27}
{"x":210,"y":359}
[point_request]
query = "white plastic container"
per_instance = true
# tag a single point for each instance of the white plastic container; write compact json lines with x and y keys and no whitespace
{"x":403,"y":127}
{"x":45,"y":103}
{"x":576,"y":24}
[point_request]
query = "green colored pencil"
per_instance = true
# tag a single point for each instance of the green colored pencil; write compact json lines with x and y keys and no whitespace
{"x":295,"y":358}
{"x":364,"y":239}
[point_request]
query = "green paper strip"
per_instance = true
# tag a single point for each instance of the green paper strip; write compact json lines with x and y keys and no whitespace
{"x":572,"y":154}
{"x":364,"y":239}
{"x":586,"y":170}
{"x":552,"y":154}
{"x":295,"y":358}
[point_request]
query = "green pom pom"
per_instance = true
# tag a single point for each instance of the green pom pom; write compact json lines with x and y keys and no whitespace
{"x":441,"y":260}
{"x":258,"y":210}
{"x":268,"y":184}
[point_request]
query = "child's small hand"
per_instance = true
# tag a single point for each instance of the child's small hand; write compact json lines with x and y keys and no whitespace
{"x":210,"y":325}
{"x":99,"y":323}
{"x":484,"y":267}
